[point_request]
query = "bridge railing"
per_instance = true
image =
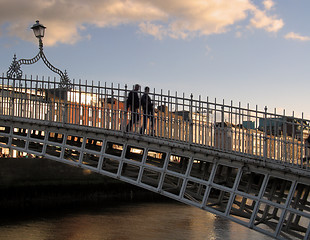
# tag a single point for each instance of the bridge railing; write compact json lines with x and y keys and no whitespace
{"x":266,"y":136}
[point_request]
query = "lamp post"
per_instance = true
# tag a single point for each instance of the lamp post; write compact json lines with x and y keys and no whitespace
{"x":15,"y":71}
{"x":39,"y":30}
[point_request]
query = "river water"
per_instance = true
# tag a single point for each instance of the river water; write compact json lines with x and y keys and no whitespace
{"x":140,"y":221}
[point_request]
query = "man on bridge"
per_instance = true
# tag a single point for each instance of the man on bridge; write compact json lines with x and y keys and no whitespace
{"x":132,"y":105}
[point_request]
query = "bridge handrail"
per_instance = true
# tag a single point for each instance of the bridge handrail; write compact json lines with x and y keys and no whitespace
{"x":229,"y":128}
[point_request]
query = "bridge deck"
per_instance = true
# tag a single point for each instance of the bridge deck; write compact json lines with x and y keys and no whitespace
{"x":256,"y":177}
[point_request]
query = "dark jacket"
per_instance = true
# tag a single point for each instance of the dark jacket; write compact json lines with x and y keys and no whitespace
{"x":146,"y":103}
{"x":132,"y":101}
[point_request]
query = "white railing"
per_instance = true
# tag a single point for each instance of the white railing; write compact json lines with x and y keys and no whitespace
{"x":264,"y":135}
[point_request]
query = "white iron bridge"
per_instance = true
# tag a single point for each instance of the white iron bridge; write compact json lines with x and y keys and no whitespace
{"x":250,"y":166}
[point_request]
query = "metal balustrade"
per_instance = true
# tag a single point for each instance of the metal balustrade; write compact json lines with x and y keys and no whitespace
{"x":269,"y":137}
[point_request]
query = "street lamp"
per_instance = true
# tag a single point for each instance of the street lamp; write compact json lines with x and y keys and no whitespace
{"x":15,"y":71}
{"x":38,"y":29}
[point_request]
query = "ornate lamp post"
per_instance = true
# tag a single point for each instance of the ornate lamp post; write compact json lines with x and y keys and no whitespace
{"x":15,"y":71}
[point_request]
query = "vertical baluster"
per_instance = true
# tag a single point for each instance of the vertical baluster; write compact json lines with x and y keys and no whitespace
{"x":177,"y":128}
{"x":26,"y":102}
{"x":255,"y":139}
{"x":29,"y":98}
{"x":197,"y":120}
{"x":139,"y":113}
{"x":247,"y":132}
{"x":42,"y":100}
{"x":284,"y":138}
{"x":118,"y":113}
{"x":95,"y":108}
{"x":240,"y":130}
{"x":275,"y":135}
{"x":2,"y":95}
{"x":265,"y":135}
{"x":209,"y":131}
{"x":13,"y":99}
{"x":200,"y":121}
{"x":203,"y":123}
{"x":19,"y":102}
{"x":225,"y":129}
{"x":87,"y":105}
{"x":52,"y":101}
{"x":233,"y":129}
{"x":8,"y":97}
{"x":94,"y":105}
{"x":191,"y":130}
{"x":48,"y":101}
{"x":125,"y":122}
{"x":81,"y":112}
{"x":184,"y":123}
{"x":58,"y":114}
{"x":169,"y":117}
{"x":270,"y":132}
{"x":74,"y":110}
{"x":91,"y":105}
{"x":236,"y":131}
{"x":223,"y":138}
{"x":74,"y":104}
{"x":105,"y":107}
{"x":294,"y":125}
{"x":99,"y":105}
{"x":113,"y":108}
{"x":37,"y":99}
{"x":301,"y":151}
{"x":161,"y":114}
{"x":165,"y":119}
{"x":68,"y":105}
{"x":216,"y":128}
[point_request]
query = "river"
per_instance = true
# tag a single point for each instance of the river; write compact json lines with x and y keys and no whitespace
{"x":120,"y":221}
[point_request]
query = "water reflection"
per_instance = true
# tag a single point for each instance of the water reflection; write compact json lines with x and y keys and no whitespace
{"x":128,"y":222}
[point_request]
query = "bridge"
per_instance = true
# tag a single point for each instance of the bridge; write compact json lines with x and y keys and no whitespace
{"x":247,"y":165}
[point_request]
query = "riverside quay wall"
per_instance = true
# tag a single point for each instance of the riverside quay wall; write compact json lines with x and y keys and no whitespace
{"x":33,"y":184}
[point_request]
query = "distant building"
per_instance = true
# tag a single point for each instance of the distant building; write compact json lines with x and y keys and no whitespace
{"x":285,"y":126}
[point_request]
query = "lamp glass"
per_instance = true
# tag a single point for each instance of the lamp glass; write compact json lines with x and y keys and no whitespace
{"x":38,"y":30}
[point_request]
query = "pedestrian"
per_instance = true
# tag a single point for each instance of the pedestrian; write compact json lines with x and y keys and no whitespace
{"x":132,"y":105}
{"x":148,"y":112}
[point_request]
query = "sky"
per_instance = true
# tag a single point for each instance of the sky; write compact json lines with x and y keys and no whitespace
{"x":248,"y":51}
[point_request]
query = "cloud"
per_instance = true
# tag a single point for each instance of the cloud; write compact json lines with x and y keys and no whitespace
{"x":269,"y":23}
{"x":296,"y":36}
{"x":66,"y":20}
{"x":268,"y":4}
{"x":155,"y":30}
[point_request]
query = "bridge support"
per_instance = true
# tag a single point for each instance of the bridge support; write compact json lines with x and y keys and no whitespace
{"x":267,"y":199}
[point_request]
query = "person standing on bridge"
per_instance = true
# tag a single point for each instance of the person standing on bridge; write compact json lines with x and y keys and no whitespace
{"x":132,"y":105}
{"x":148,"y":111}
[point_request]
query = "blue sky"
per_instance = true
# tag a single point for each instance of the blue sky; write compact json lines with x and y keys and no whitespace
{"x":254,"y":52}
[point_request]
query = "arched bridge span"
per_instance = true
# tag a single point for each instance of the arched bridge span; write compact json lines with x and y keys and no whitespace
{"x":194,"y":161}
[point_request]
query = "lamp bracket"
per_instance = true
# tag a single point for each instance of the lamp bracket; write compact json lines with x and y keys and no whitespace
{"x":16,"y":72}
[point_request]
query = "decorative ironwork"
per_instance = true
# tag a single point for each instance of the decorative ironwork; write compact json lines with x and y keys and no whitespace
{"x":16,"y":72}
{"x":64,"y":79}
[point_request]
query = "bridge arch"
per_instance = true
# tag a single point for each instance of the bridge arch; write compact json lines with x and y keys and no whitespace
{"x":268,"y":195}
